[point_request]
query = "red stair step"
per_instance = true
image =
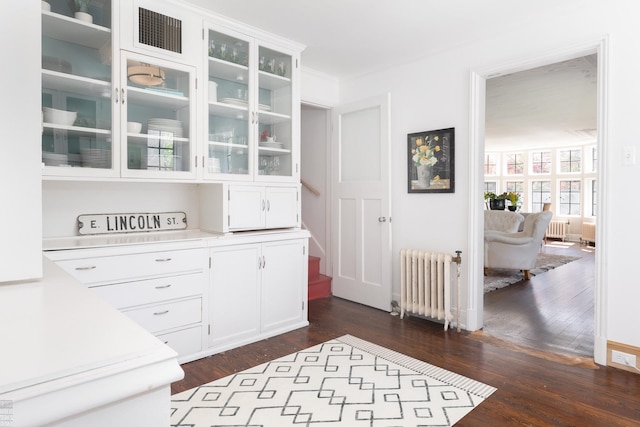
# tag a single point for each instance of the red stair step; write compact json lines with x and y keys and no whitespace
{"x":314,"y":267}
{"x":319,"y":287}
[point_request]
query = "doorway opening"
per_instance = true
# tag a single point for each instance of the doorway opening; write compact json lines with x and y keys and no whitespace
{"x":540,"y":143}
{"x":479,"y":81}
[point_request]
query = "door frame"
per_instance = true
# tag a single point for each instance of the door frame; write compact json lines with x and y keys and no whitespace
{"x":478,"y":77}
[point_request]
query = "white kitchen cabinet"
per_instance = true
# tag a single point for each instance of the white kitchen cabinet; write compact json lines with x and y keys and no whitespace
{"x":234,"y":295}
{"x":256,"y":290}
{"x":160,"y":288}
{"x":77,"y":87}
{"x":164,"y":107}
{"x":92,"y":91}
{"x":253,"y":103}
{"x":235,"y":207}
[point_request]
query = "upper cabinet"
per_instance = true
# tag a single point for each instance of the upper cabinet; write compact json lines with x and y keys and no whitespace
{"x":77,"y":89}
{"x":158,"y":112}
{"x":143,"y":89}
{"x":252,"y":124}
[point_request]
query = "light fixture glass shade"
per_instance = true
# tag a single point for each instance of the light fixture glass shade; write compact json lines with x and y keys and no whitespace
{"x":146,"y":75}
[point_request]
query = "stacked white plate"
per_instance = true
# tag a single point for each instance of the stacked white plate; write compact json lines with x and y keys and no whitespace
{"x":96,"y":157}
{"x":165,"y":125}
{"x":53,"y":159}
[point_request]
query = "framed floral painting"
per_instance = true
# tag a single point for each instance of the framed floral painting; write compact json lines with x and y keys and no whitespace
{"x":431,"y":161}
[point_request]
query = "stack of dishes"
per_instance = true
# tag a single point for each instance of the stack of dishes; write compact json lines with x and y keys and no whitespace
{"x":165,"y":125}
{"x":96,"y":157}
{"x":271,"y":144}
{"x":53,"y":159}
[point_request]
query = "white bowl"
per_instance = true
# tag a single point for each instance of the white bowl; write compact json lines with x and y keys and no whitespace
{"x":134,"y":127}
{"x":59,"y":117}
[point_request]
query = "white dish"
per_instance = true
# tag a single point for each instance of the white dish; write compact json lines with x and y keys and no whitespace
{"x":272,"y":144}
{"x":242,"y":103}
{"x":134,"y":127}
{"x":59,"y":117}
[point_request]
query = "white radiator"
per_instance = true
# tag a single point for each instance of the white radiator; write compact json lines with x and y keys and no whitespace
{"x":557,"y":230}
{"x":589,"y":232}
{"x":425,"y":284}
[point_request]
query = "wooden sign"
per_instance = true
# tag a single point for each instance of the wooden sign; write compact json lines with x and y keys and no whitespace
{"x":131,"y":222}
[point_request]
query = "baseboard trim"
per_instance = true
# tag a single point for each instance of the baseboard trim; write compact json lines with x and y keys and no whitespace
{"x":612,"y":345}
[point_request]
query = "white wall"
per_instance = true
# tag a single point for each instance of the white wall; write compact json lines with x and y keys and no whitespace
{"x":63,"y":201}
{"x":435,"y":93}
{"x":314,"y":151}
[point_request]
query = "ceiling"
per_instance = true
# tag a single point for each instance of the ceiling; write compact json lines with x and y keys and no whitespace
{"x":350,"y":38}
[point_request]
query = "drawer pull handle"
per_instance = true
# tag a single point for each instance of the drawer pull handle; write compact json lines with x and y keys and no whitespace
{"x":163,"y":286}
{"x":160,"y":313}
{"x":90,"y":267}
{"x":163,"y":259}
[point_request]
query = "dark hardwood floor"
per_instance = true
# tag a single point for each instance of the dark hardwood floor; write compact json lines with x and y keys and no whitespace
{"x":553,"y":311}
{"x":532,"y":391}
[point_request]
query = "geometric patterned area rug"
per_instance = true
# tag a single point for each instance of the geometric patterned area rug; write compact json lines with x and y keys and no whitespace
{"x":343,"y":382}
{"x":498,"y":278}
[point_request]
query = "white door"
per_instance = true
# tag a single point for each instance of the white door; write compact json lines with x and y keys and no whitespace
{"x":361,"y":229}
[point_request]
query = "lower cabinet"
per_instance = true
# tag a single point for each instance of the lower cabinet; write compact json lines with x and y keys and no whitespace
{"x":256,"y":291}
{"x":224,"y":293}
{"x":162,"y":291}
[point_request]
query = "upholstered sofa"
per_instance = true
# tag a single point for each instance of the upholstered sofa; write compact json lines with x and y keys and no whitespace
{"x":519,"y":250}
{"x":504,"y":221}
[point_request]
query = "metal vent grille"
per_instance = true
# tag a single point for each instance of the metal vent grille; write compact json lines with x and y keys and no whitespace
{"x":159,"y":30}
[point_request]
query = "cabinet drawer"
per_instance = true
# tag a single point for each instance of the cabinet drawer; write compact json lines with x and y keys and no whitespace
{"x":150,"y":291}
{"x":184,"y":342}
{"x":124,"y":267}
{"x":168,"y":316}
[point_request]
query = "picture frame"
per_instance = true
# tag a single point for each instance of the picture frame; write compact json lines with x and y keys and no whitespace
{"x":431,"y":161}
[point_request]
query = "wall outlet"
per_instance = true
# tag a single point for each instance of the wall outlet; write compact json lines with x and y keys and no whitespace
{"x":625,"y":359}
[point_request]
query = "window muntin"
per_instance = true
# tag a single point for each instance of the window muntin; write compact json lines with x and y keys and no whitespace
{"x":514,"y":164}
{"x":540,"y":194}
{"x":541,"y":162}
{"x":570,"y":161}
{"x":490,"y":164}
{"x":570,"y":192}
{"x":490,"y":187}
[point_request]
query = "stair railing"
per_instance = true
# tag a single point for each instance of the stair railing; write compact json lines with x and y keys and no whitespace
{"x":309,"y":187}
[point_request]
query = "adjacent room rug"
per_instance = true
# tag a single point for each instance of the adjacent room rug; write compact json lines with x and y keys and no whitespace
{"x":343,"y":382}
{"x":498,"y":278}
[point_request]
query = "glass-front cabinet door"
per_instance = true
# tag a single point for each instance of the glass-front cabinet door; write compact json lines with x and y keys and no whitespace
{"x":157,"y":109}
{"x":275,"y":108}
{"x":77,"y":109}
{"x":229,"y":94}
{"x":250,"y":99}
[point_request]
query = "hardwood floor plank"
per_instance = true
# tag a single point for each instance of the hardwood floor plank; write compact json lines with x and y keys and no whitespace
{"x":532,"y":390}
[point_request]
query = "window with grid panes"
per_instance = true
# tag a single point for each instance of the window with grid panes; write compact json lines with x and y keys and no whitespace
{"x":490,"y":164}
{"x":570,"y":160}
{"x":490,"y":187}
{"x":540,"y":194}
{"x":569,"y":197}
{"x":541,"y":162}
{"x":515,"y":164}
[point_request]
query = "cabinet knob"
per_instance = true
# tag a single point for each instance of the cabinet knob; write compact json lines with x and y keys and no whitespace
{"x":382,"y":219}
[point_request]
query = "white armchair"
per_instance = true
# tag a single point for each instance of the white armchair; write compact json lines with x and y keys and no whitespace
{"x":517,"y":251}
{"x":506,"y":221}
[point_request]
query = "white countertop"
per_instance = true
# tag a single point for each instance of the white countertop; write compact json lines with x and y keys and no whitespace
{"x":57,"y":334}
